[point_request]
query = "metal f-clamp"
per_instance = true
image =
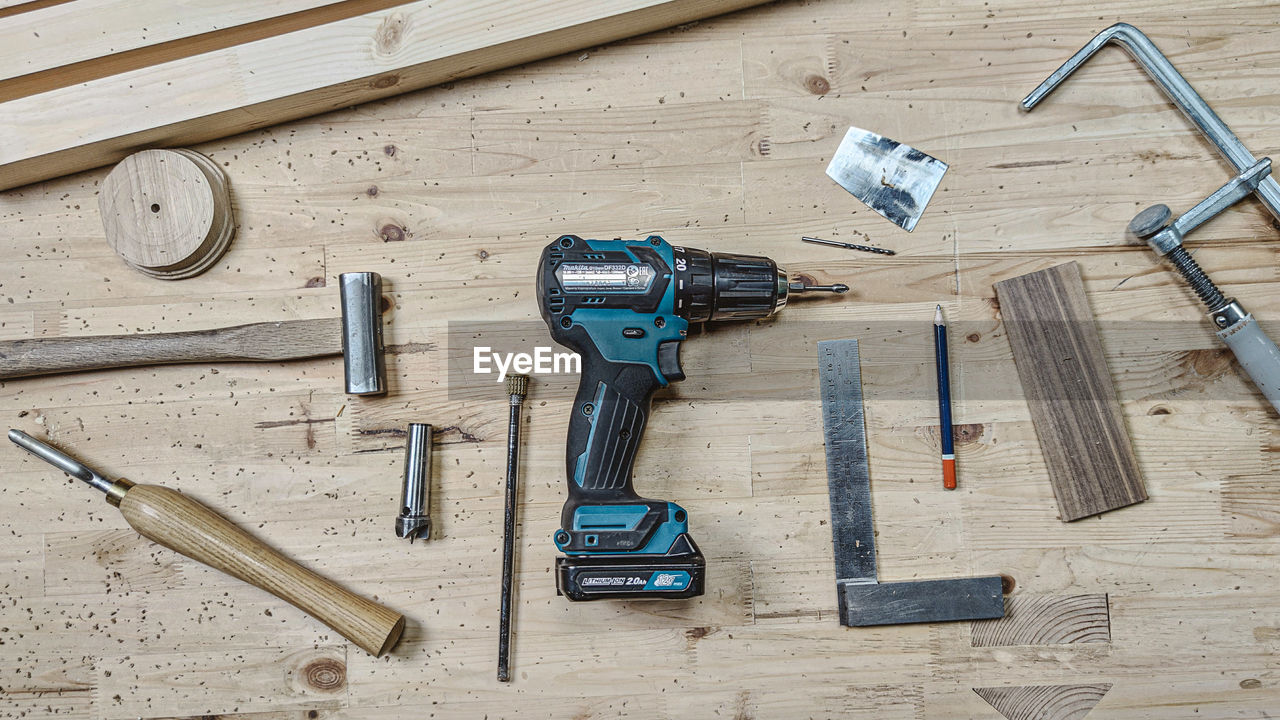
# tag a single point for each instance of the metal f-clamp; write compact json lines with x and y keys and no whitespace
{"x":1256,"y":351}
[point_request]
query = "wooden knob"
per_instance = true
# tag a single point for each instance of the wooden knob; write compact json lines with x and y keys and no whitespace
{"x":191,"y":528}
{"x":167,"y":213}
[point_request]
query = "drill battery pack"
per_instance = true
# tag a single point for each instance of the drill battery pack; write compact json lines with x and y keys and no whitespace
{"x":678,"y":574}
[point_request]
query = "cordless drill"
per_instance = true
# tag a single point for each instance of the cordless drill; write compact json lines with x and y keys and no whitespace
{"x":625,"y":306}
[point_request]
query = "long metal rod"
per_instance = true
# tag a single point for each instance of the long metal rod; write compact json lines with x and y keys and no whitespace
{"x":517,"y":386}
{"x":1140,"y":47}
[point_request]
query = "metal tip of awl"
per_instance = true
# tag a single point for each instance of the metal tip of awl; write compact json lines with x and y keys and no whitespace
{"x":60,"y":460}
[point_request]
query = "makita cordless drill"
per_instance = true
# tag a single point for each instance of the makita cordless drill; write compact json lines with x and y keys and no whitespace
{"x":625,"y":306}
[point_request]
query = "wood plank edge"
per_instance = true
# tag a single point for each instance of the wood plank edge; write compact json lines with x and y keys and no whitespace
{"x":354,"y":92}
{"x":148,"y":55}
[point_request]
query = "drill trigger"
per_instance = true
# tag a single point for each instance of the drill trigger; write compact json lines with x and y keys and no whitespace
{"x":669,"y":360}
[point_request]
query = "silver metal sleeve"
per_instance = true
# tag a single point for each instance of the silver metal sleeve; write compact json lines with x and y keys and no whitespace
{"x":1257,"y":355}
{"x":363,"y":353}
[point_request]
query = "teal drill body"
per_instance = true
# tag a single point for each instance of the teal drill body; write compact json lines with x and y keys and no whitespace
{"x":625,"y":306}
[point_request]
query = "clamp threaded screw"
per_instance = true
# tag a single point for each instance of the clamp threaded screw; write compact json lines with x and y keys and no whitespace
{"x":1209,"y":293}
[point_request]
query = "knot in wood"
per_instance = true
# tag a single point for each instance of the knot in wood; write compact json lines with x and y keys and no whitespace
{"x":390,"y":232}
{"x":325,"y":674}
{"x":817,"y":85}
{"x":390,"y":34}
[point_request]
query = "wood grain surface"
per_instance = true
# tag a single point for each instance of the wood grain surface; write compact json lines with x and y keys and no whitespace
{"x":1073,"y":403}
{"x":717,"y":135}
{"x":99,"y":38}
{"x":1046,"y":620}
{"x":1044,"y":702}
{"x":167,"y":213}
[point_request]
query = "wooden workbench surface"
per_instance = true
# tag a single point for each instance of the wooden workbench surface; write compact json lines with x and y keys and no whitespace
{"x":715,"y":135}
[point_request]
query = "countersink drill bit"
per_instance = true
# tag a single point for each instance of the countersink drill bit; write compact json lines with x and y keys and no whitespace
{"x":414,"y":520}
{"x":517,"y":386}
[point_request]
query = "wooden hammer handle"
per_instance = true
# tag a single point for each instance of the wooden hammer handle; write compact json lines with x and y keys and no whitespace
{"x":268,"y":342}
{"x":184,"y":525}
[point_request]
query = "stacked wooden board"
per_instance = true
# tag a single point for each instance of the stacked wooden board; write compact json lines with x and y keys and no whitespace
{"x":158,"y":75}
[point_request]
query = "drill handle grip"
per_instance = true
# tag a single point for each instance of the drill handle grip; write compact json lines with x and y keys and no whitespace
{"x":605,"y":428}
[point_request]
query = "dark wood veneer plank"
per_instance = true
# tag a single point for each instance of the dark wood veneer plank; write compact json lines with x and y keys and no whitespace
{"x":1068,"y":387}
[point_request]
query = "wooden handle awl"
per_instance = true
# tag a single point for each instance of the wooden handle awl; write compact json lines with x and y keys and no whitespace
{"x":184,"y":525}
{"x":265,"y":342}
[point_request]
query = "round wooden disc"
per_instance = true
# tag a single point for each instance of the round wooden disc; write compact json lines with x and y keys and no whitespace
{"x":220,"y":234}
{"x":167,"y":213}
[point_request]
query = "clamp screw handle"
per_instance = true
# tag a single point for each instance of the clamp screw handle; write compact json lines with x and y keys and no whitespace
{"x":1150,"y":221}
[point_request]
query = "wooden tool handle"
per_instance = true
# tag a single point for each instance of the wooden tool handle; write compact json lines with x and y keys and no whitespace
{"x":191,"y":528}
{"x":268,"y":342}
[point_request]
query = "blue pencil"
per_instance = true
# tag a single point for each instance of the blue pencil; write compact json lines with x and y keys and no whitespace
{"x":944,"y":401}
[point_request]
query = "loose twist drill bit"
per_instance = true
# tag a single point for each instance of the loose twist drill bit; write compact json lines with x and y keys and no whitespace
{"x":848,"y":246}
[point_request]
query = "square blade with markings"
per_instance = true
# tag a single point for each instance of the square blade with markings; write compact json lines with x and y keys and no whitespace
{"x":893,"y":179}
{"x":863,"y":599}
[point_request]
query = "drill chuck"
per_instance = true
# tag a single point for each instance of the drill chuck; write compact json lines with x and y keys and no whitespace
{"x":725,"y":286}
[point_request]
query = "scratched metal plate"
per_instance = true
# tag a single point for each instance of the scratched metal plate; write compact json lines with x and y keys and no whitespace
{"x":893,"y":179}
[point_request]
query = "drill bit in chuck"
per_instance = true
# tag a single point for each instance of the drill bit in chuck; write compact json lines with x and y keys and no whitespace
{"x":798,"y":286}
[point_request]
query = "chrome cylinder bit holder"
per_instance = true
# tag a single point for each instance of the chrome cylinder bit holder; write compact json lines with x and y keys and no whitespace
{"x":1140,"y":47}
{"x":414,"y":520}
